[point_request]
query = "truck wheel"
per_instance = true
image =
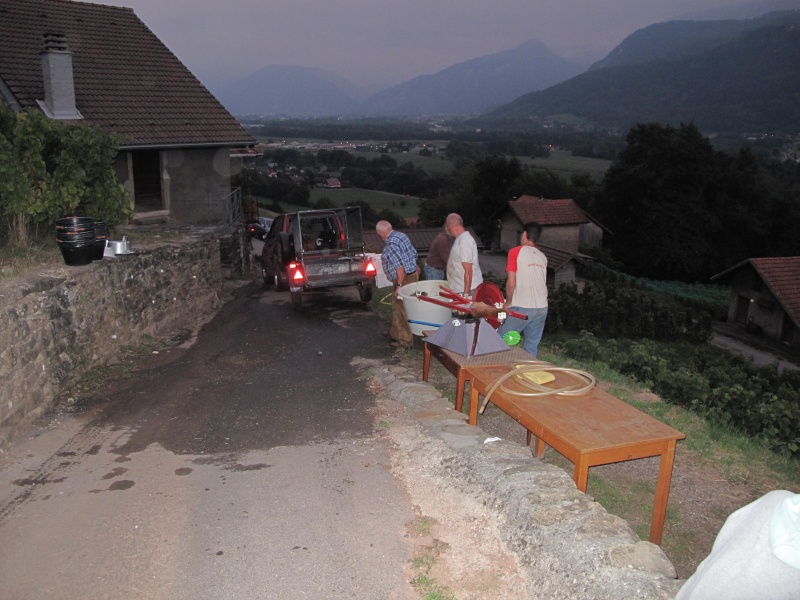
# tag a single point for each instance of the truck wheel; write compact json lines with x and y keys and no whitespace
{"x":365,"y":293}
{"x":280,"y":283}
{"x":268,"y":279}
{"x":297,"y":300}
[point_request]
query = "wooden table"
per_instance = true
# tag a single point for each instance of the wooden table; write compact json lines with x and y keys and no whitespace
{"x":457,"y":363}
{"x":589,"y":430}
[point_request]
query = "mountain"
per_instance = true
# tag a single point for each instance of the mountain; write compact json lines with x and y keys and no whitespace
{"x":745,"y":78}
{"x":475,"y":85}
{"x":681,"y":39}
{"x":290,"y":90}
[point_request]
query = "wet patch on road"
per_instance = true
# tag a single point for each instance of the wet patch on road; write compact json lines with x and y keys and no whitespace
{"x":115,"y":473}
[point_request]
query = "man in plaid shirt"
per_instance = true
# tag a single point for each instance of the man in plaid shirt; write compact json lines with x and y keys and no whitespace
{"x":399,"y":260}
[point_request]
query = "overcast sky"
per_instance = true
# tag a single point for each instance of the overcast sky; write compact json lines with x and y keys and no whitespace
{"x":377,"y":43}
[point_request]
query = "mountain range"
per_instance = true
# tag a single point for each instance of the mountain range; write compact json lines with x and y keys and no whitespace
{"x":465,"y":88}
{"x":725,"y":75}
{"x":475,"y":85}
{"x":720,"y":76}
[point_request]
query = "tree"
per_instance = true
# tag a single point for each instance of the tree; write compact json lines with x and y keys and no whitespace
{"x":654,"y":199}
{"x":491,"y":184}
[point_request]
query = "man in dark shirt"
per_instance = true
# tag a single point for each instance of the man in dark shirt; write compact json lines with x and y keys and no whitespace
{"x":436,"y":264}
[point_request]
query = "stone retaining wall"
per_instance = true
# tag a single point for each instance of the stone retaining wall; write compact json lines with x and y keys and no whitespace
{"x":568,"y":545}
{"x":64,"y":321}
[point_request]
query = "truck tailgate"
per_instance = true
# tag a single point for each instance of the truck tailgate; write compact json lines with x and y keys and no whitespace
{"x":322,"y":271}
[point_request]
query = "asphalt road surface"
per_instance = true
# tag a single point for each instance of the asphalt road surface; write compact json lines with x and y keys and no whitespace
{"x":245,"y":464}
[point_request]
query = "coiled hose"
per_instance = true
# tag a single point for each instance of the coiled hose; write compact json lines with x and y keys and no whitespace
{"x":585,"y":381}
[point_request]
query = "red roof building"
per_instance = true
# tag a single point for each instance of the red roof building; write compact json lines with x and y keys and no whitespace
{"x":563,"y":223}
{"x":765,"y":296}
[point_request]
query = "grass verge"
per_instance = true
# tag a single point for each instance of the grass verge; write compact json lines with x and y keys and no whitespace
{"x":17,"y":261}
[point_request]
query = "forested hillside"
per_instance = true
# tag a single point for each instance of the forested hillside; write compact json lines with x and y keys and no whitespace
{"x":749,"y":83}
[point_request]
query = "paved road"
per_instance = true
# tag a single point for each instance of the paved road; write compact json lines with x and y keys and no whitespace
{"x":244,"y":466}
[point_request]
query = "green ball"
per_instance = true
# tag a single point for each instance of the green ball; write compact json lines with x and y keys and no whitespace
{"x":511,"y":338}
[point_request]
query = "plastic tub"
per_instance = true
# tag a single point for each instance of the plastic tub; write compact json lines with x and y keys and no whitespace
{"x":422,"y":315}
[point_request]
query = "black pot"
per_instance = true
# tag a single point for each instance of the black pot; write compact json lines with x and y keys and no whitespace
{"x":77,"y":255}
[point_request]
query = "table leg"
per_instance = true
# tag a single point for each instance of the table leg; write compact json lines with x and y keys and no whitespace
{"x":426,"y":361}
{"x":473,"y":405}
{"x":662,"y":493}
{"x":460,"y":380}
{"x":538,"y":447}
{"x":581,"y":473}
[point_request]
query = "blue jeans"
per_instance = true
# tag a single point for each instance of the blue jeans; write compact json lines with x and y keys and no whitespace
{"x":531,"y":329}
{"x":433,"y":274}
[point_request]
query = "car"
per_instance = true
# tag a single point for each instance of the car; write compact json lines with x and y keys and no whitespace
{"x":260,"y":227}
{"x":315,"y":249}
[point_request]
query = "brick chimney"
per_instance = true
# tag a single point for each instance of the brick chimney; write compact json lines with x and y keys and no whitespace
{"x":59,"y":87}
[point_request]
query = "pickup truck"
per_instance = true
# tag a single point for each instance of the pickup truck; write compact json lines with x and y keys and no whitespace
{"x":313,"y":249}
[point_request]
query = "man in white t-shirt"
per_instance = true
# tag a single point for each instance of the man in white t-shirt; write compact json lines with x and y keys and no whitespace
{"x":463,"y":269}
{"x":526,"y":288}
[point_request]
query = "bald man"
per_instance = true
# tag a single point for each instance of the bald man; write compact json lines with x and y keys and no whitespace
{"x":463,"y":270}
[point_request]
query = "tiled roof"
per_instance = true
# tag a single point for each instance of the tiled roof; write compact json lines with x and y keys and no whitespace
{"x":782,"y":277}
{"x":548,"y":212}
{"x":421,"y":238}
{"x":555,"y":258}
{"x":126,"y":80}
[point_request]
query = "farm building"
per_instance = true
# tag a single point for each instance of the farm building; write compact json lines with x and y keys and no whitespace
{"x":765,"y":297}
{"x":564,"y":224}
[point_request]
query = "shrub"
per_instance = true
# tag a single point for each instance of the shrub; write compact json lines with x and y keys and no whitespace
{"x":759,"y":401}
{"x":49,"y":169}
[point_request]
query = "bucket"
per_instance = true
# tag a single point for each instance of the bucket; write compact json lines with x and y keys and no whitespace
{"x":422,"y":315}
{"x":76,"y":239}
{"x":76,"y":256}
{"x":100,"y":239}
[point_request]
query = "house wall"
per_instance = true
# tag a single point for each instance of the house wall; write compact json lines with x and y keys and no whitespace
{"x":565,"y":274}
{"x":197,"y":180}
{"x":591,"y":235}
{"x":563,"y":237}
{"x":753,"y":305}
{"x":123,"y":167}
{"x":193,"y":182}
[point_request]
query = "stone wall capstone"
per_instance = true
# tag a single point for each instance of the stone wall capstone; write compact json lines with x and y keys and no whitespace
{"x":63,"y":321}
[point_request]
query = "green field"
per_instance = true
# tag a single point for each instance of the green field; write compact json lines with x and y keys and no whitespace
{"x":405,"y":206}
{"x":431,"y":164}
{"x":563,"y":163}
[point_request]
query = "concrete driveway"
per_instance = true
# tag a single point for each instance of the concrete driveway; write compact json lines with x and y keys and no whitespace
{"x":245,"y":464}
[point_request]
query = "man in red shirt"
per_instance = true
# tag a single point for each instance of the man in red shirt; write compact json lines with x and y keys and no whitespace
{"x":526,"y":288}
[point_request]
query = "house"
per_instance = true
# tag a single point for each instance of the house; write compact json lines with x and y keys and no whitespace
{"x":564,"y":225}
{"x":100,"y":65}
{"x":332,"y":183}
{"x":765,"y":297}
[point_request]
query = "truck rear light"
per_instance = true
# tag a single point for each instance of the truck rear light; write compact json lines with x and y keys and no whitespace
{"x":370,"y":268}
{"x":296,"y":274}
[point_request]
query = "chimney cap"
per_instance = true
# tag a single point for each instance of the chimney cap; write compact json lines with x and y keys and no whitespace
{"x":55,"y":41}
